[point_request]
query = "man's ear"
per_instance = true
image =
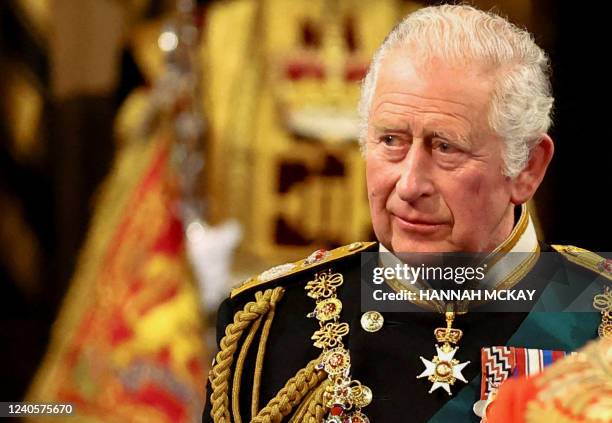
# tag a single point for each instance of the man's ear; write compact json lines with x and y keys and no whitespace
{"x":525,"y":184}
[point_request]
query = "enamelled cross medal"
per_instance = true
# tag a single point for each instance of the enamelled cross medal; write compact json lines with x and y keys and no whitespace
{"x":443,"y":370}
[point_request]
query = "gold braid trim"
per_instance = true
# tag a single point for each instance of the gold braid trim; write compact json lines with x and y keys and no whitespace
{"x":292,"y":393}
{"x":308,"y":406}
{"x":276,"y":295}
{"x":295,"y":390}
{"x":316,"y":411}
{"x":220,"y":373}
{"x":261,"y":351}
{"x":298,"y":416}
{"x":584,"y":258}
{"x":239,"y":366}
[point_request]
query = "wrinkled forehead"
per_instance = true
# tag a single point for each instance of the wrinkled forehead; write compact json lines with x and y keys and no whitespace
{"x":462,"y":87}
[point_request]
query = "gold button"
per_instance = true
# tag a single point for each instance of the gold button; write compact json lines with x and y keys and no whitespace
{"x":354,"y":246}
{"x":372,"y":321}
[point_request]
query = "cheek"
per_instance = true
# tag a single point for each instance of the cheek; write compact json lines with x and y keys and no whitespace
{"x":379,"y":181}
{"x":474,"y":187}
{"x":372,"y":178}
{"x":474,"y":198}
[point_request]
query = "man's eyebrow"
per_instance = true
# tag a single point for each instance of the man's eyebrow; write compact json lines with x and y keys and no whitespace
{"x":460,"y":139}
{"x":390,"y":128}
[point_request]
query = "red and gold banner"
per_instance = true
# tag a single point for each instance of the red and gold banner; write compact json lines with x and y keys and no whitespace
{"x":127,"y":346}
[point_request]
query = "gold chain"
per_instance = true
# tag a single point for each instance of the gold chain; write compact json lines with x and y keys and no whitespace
{"x":343,"y":396}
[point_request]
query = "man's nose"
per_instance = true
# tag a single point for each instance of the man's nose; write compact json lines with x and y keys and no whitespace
{"x":415,"y":179}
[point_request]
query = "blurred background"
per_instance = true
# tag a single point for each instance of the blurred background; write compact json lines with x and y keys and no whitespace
{"x":154,"y":153}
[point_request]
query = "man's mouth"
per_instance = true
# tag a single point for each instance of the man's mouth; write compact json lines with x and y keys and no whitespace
{"x":417,"y":224}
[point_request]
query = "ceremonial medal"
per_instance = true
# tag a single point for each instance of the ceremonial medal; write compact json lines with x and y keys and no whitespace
{"x":443,"y":370}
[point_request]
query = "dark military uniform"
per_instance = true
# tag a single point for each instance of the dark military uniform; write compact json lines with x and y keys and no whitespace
{"x":254,"y":365}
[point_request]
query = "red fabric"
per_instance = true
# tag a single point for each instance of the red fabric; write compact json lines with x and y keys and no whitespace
{"x":511,"y":401}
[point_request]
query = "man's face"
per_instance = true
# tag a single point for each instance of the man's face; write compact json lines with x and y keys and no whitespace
{"x":434,"y":168}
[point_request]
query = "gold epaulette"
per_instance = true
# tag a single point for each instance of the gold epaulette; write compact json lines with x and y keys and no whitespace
{"x":587,"y":259}
{"x":315,"y":259}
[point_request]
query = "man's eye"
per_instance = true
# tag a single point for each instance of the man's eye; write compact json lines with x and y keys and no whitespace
{"x":391,"y":141}
{"x":444,"y":147}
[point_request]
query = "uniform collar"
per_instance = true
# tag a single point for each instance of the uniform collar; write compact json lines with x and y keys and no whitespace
{"x":514,"y":257}
{"x":523,"y":237}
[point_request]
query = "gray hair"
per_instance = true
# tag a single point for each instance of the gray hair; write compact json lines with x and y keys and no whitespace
{"x":521,"y":103}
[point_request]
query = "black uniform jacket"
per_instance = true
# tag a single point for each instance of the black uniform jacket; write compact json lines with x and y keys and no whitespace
{"x":387,"y":361}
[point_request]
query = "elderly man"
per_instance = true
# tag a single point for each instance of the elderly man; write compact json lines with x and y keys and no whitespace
{"x":455,"y":109}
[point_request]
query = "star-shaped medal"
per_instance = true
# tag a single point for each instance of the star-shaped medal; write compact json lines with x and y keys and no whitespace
{"x":443,"y":369}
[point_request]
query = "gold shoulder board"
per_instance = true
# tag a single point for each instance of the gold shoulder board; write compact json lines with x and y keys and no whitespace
{"x":315,"y":259}
{"x":586,"y":258}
